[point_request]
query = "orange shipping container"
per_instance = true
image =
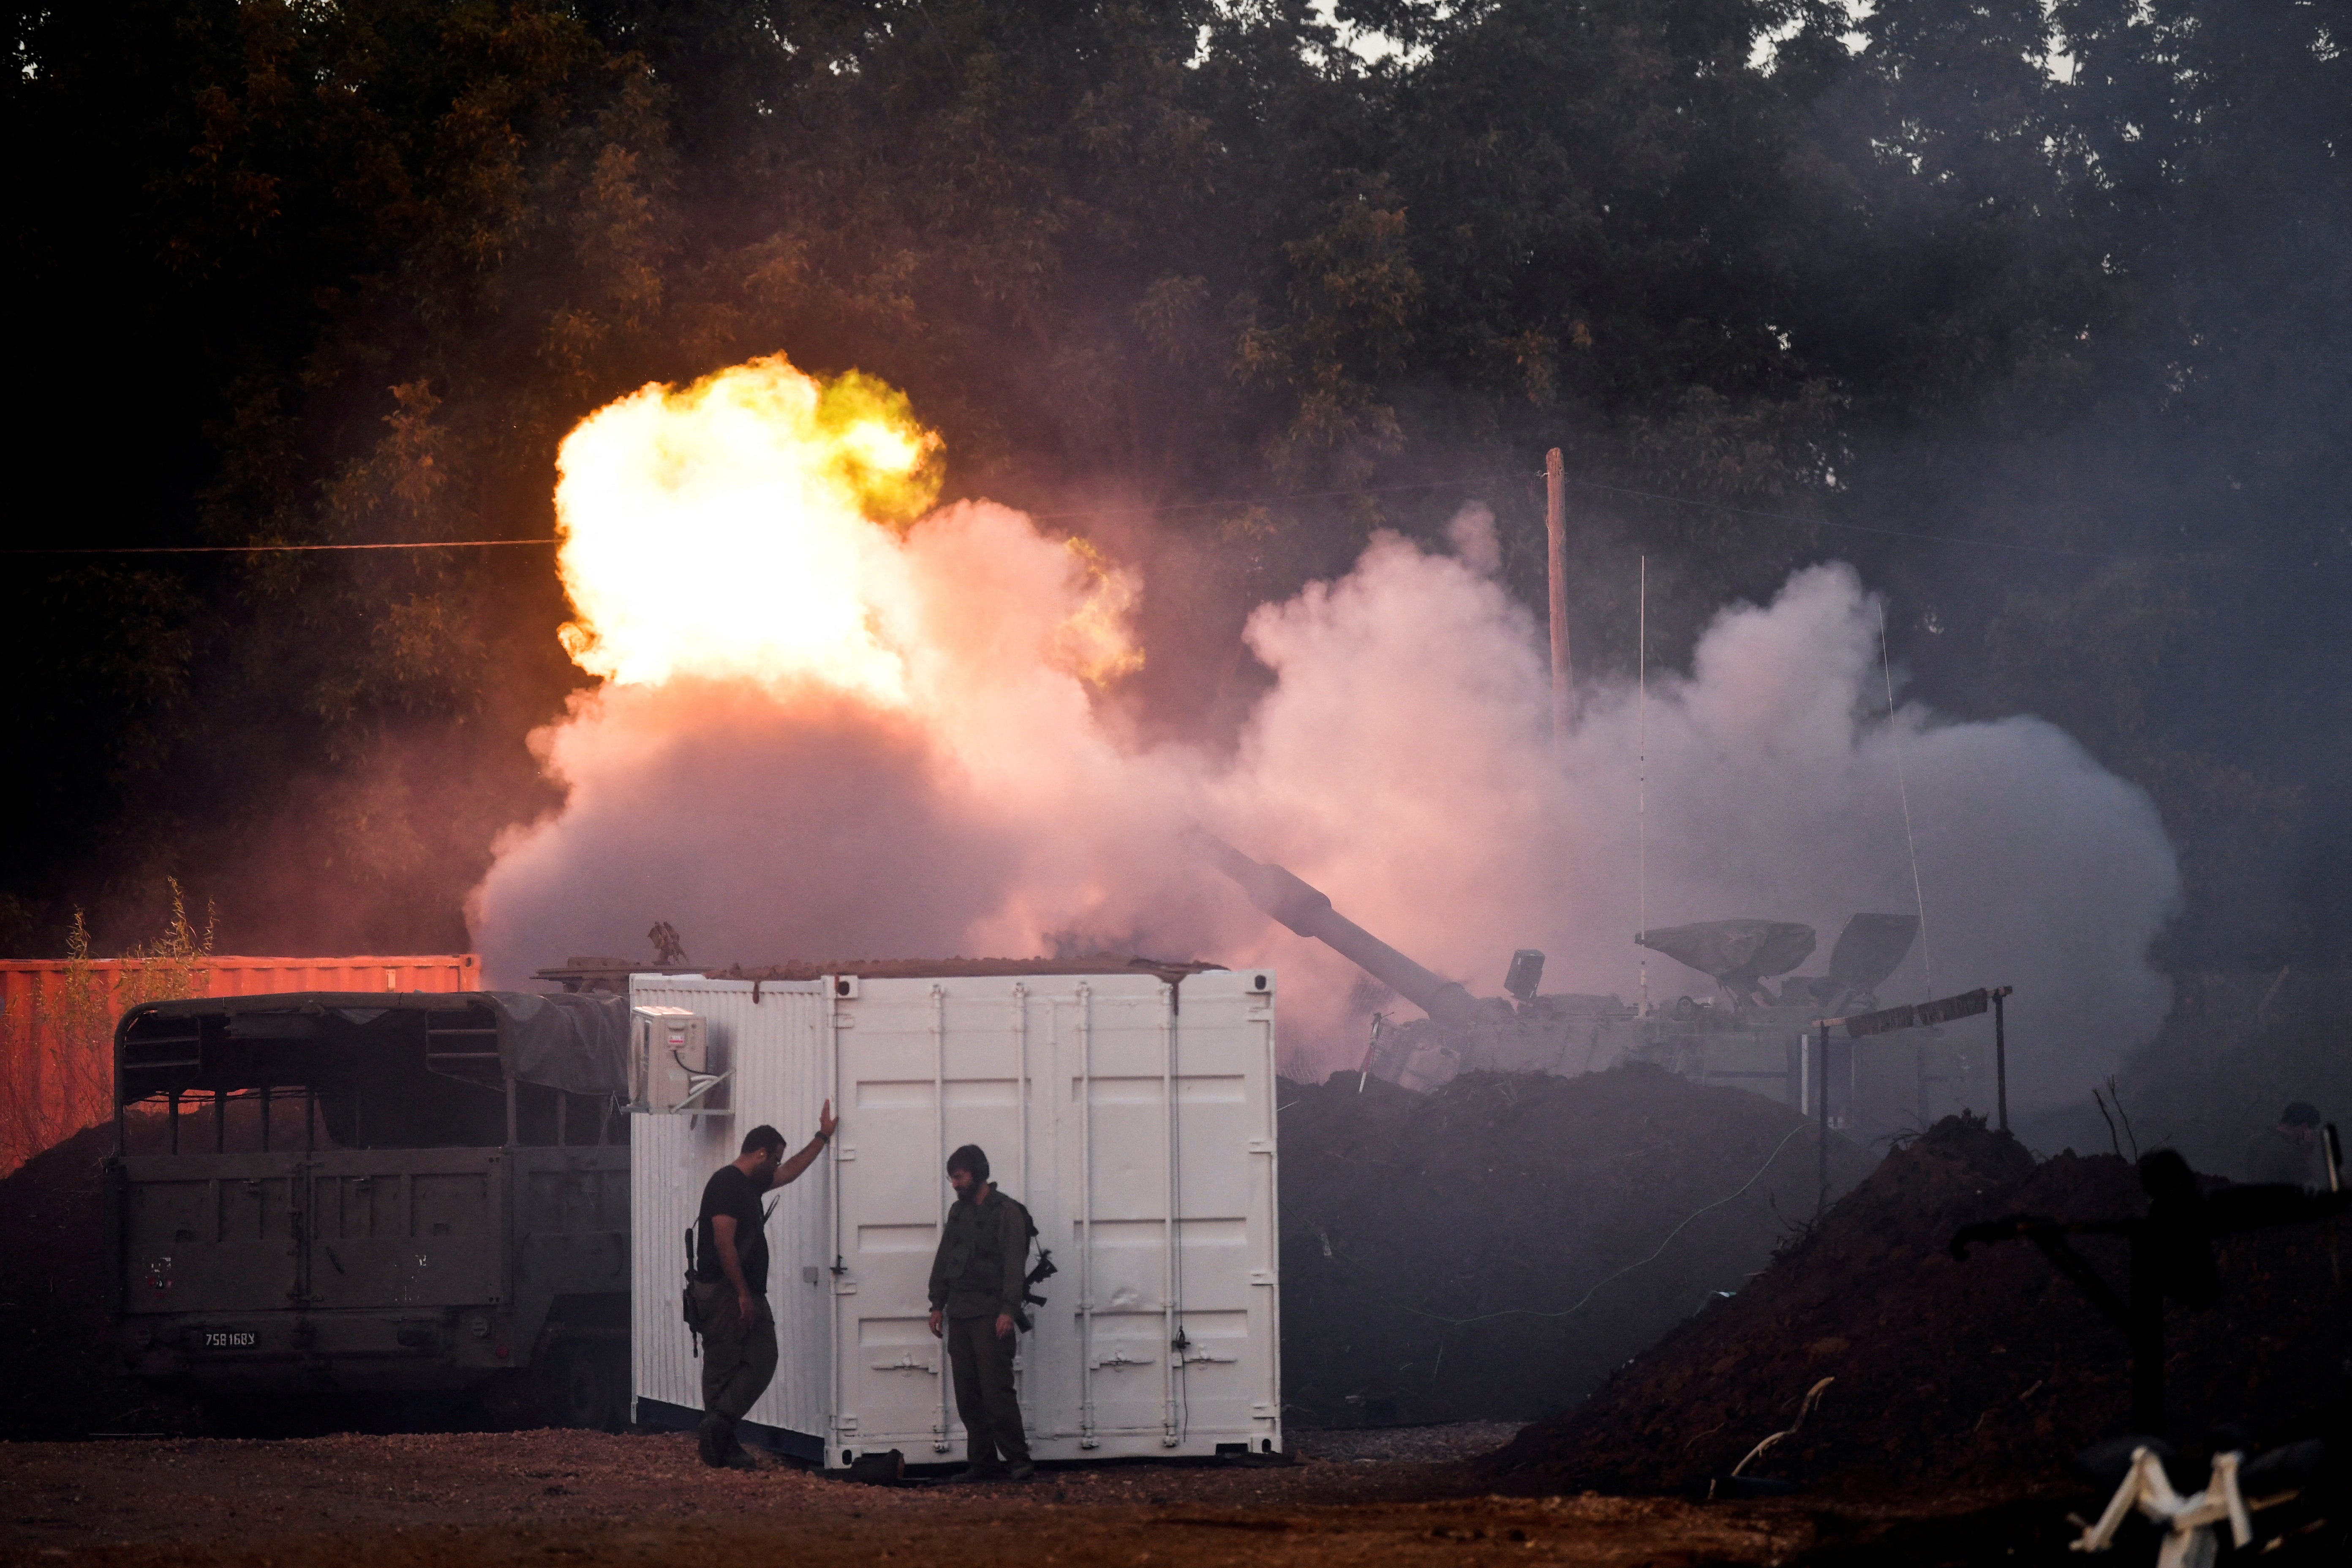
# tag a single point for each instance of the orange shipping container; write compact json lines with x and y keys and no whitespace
{"x":58,"y":1017}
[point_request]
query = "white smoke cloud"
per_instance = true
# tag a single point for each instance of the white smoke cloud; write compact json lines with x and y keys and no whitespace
{"x":1402,"y":761}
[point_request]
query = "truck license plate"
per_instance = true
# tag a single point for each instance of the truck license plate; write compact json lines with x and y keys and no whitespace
{"x":227,"y":1340}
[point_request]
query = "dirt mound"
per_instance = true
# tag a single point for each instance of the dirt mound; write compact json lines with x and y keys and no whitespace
{"x":1495,"y":1250}
{"x":57,"y":1348}
{"x":1984,"y":1373}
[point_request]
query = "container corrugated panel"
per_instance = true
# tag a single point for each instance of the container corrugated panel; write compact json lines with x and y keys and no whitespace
{"x":1136,"y":1122}
{"x":770,"y":1038}
{"x":57,"y":1018}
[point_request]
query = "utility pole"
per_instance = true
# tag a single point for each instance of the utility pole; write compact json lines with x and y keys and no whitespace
{"x":1822,"y":1121}
{"x":1556,"y":533}
{"x":2000,"y":1051}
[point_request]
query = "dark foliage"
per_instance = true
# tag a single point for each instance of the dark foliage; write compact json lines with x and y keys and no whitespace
{"x":2067,"y":287}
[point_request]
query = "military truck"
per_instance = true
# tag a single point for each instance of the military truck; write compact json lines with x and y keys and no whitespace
{"x":362,"y":1193}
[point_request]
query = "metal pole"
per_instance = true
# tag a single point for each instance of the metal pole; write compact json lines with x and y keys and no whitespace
{"x":1086,"y":1438}
{"x":1556,"y":533}
{"x":2001,"y":1054}
{"x":1171,"y":1269}
{"x":941,"y":1441}
{"x":1021,"y":1083}
{"x":1822,"y":1122}
{"x":1021,"y":1093}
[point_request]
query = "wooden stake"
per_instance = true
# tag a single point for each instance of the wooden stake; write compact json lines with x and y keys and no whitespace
{"x":1556,"y":533}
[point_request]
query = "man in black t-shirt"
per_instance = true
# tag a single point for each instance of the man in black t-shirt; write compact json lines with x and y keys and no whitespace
{"x":730,"y":1285}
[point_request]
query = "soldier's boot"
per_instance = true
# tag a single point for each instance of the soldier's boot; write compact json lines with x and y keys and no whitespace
{"x":710,"y":1440}
{"x":735,"y":1450}
{"x":1019,"y":1470}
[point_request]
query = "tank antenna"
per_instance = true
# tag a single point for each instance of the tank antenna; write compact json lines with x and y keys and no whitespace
{"x":1641,"y":775}
{"x":1563,"y":677}
{"x":1903,"y":792}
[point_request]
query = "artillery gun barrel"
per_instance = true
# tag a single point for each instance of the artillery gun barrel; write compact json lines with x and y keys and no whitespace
{"x":1307,"y":910}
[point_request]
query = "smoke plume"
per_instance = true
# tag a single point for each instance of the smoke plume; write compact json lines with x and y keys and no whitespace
{"x":965,"y":795}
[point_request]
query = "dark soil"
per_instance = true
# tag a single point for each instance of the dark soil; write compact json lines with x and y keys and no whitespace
{"x":57,"y":1347}
{"x":642,"y":1500}
{"x":1988,"y":1372}
{"x":1478,"y":1252}
{"x":428,"y":1502}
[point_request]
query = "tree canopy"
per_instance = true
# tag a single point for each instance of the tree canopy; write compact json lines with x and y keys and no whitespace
{"x":2036,"y":312}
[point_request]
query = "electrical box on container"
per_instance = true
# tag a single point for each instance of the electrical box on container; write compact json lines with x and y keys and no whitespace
{"x":669,"y":1059}
{"x":1133,"y":1114}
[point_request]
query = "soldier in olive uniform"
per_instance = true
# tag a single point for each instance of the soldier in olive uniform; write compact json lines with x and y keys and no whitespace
{"x":977,"y":1283}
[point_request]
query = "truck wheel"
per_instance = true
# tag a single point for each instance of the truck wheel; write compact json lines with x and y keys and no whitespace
{"x":586,"y":1386}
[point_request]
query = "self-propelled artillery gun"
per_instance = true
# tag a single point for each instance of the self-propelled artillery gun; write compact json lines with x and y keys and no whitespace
{"x":1748,"y":1032}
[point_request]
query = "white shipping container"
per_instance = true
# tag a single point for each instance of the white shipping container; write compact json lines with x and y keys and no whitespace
{"x":1132,"y":1112}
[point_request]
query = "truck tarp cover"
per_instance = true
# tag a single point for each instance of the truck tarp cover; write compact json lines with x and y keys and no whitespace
{"x":575,"y":1042}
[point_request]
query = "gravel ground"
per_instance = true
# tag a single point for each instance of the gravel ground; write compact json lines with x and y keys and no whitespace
{"x":1425,"y":1445}
{"x":546,"y":1496}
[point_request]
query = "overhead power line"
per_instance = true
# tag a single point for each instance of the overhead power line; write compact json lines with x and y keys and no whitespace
{"x":1467,"y":481}
{"x":261,"y":549}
